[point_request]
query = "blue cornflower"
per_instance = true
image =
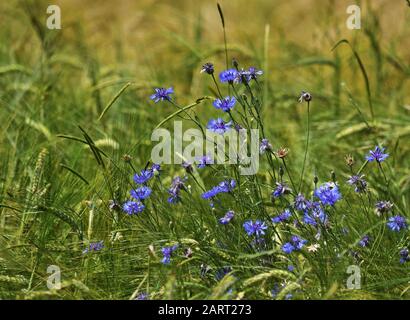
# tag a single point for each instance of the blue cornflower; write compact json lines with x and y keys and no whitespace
{"x":300,"y":203}
{"x":383,"y":207}
{"x":291,"y":268}
{"x":223,"y":187}
{"x":219,"y":126}
{"x":225,"y":104}
{"x":210,"y":193}
{"x":142,"y":296}
{"x":358,"y":182}
{"x":176,"y":186}
{"x":229,"y":75}
{"x":143,"y":177}
{"x":162,"y":94}
{"x":227,"y":217}
{"x":141,"y":193}
{"x":377,"y":155}
{"x":94,"y":246}
{"x":227,"y":185}
{"x":296,"y":243}
{"x":404,"y":255}
{"x":314,"y":214}
{"x":284,"y":216}
{"x":208,"y":68}
{"x":131,"y":207}
{"x":264,"y":146}
{"x":167,"y":252}
{"x":328,"y":193}
{"x":254,"y":73}
{"x":155,"y":168}
{"x":204,"y":161}
{"x":288,"y":248}
{"x":397,"y":223}
{"x":258,"y":227}
{"x":281,"y":189}
{"x":364,"y":242}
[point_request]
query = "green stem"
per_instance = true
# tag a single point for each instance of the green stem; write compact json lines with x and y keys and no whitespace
{"x":307,"y":145}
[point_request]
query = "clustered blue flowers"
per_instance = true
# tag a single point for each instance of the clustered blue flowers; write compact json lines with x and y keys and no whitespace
{"x":296,"y":244}
{"x":142,"y":192}
{"x":167,"y":253}
{"x":314,"y":213}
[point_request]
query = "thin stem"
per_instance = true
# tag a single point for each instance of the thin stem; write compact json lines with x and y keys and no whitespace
{"x":216,"y":84}
{"x":307,"y":145}
{"x":287,"y":171}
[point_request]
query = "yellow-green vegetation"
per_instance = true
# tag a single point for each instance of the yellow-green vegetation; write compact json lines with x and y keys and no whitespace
{"x":75,"y":125}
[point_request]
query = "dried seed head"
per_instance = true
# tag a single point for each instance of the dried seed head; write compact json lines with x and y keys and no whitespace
{"x":126,"y":158}
{"x":305,"y":96}
{"x":349,"y":160}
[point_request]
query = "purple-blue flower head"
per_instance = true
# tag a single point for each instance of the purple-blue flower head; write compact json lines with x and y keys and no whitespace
{"x":208,"y":68}
{"x":296,"y":243}
{"x":162,"y":94}
{"x":404,"y":255}
{"x":155,"y":168}
{"x":227,"y":217}
{"x":133,"y":207}
{"x":141,"y":193}
{"x":364,"y":242}
{"x":229,"y":75}
{"x":227,"y":185}
{"x":264,"y":146}
{"x":177,"y":185}
{"x":204,"y":161}
{"x":94,"y":246}
{"x":219,"y":125}
{"x":397,"y":223}
{"x":383,"y":207}
{"x":284,"y":216}
{"x":256,"y":228}
{"x":300,"y":203}
{"x":226,"y":104}
{"x":254,"y":73}
{"x":281,"y":189}
{"x":314,"y":214}
{"x":223,"y":187}
{"x":142,"y":296}
{"x":358,"y":182}
{"x":288,"y":248}
{"x":143,"y":177}
{"x":167,"y":253}
{"x":328,"y":193}
{"x":377,"y":155}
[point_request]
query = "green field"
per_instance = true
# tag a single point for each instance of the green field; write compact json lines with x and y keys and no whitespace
{"x":76,"y":120}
